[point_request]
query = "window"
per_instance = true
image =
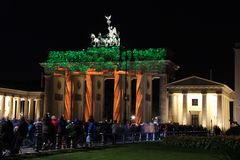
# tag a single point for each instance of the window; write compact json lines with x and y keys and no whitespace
{"x":194,"y":102}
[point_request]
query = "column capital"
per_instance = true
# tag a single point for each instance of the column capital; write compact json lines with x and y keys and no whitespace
{"x":17,"y":97}
{"x":24,"y":98}
{"x":48,"y":75}
{"x":169,"y":91}
{"x":9,"y":95}
{"x":37,"y":99}
{"x":204,"y":91}
{"x":184,"y":91}
{"x":219,"y":91}
{"x":31,"y":99}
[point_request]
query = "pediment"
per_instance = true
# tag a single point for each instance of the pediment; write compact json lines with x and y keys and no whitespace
{"x":196,"y":81}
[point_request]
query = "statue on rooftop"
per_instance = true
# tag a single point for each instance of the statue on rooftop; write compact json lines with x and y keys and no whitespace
{"x":111,"y":39}
{"x":108,"y":20}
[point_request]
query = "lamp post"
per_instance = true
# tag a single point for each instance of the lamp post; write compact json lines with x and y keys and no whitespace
{"x":125,"y":84}
{"x":125,"y":91}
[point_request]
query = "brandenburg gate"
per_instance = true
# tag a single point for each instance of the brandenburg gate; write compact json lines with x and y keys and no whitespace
{"x":75,"y":80}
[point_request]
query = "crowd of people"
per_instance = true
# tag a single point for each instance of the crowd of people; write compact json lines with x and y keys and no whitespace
{"x":12,"y":134}
{"x":51,"y":132}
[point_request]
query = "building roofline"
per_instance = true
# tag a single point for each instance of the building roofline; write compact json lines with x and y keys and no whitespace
{"x":214,"y":82}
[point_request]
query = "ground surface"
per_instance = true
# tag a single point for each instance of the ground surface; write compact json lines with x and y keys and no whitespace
{"x":141,"y":151}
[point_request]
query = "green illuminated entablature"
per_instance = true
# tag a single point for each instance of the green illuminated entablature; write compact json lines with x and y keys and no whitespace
{"x":107,"y":58}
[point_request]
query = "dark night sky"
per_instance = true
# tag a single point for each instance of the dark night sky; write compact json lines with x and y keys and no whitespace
{"x":201,"y":36}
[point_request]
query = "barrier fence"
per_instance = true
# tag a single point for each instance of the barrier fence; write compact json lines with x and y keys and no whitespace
{"x":99,"y":138}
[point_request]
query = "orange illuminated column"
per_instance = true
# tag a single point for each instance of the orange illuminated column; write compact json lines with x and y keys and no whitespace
{"x":139,"y":97}
{"x":68,"y":96}
{"x":117,"y":97}
{"x":88,"y":109}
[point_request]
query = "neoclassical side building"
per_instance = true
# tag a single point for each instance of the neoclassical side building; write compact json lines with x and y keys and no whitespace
{"x":14,"y":103}
{"x":199,"y":101}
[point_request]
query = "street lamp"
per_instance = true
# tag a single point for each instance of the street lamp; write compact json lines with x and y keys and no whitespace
{"x":125,"y":84}
{"x":125,"y":91}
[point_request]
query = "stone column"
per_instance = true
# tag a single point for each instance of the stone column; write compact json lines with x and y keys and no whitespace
{"x":118,"y":96}
{"x":175,"y":114}
{"x":88,"y":109}
{"x":38,"y":109}
{"x":30,"y":113}
{"x":3,"y":106}
{"x":80,"y":100}
{"x":11,"y":115}
{"x":148,"y":98}
{"x":26,"y":108}
{"x":48,"y":89}
{"x":204,"y":109}
{"x":170,"y":107}
{"x":129,"y":94}
{"x":184,"y":118}
{"x":219,"y":110}
{"x":163,"y":109}
{"x":227,"y":122}
{"x":68,"y":96}
{"x":98,"y":87}
{"x":14,"y":108}
{"x":18,"y":107}
{"x":140,"y":101}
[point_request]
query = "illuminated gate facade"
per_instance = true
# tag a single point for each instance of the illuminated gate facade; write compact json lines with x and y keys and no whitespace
{"x":74,"y":80}
{"x":81,"y":95}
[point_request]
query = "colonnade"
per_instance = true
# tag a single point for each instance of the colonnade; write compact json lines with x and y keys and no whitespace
{"x":14,"y":103}
{"x":212,"y":108}
{"x":92,"y":91}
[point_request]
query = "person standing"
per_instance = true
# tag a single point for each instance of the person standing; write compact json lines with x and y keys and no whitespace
{"x":38,"y":134}
{"x":31,"y":132}
{"x":61,"y":132}
{"x":19,"y":135}
{"x":53,"y":131}
{"x":7,"y":132}
{"x":46,"y":131}
{"x":91,"y":132}
{"x":114,"y":131}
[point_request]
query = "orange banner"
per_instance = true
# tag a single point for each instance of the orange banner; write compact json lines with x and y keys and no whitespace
{"x":68,"y":96}
{"x":88,"y":108}
{"x":117,"y":97}
{"x":139,"y":98}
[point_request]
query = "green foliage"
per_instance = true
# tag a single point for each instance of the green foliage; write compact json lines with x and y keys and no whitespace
{"x":212,"y":143}
{"x":106,"y":58}
{"x":149,"y":54}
